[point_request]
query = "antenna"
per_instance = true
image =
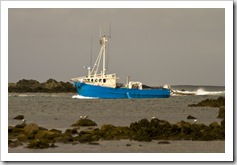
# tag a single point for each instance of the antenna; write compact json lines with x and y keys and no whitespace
{"x":109,"y":29}
{"x":109,"y":36}
{"x":91,"y":52}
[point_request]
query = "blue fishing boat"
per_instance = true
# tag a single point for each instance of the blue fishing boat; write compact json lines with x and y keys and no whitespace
{"x":102,"y":85}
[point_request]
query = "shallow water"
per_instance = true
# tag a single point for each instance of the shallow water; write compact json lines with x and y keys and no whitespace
{"x":127,"y":146}
{"x":59,"y":111}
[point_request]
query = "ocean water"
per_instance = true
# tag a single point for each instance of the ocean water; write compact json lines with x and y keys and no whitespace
{"x":60,"y":110}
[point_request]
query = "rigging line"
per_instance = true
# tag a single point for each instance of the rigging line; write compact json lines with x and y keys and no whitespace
{"x":107,"y":67}
{"x":98,"y":64}
{"x":109,"y":29}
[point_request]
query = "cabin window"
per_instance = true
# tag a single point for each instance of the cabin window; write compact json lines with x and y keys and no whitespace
{"x":100,"y":80}
{"x":91,"y":80}
{"x":96,"y":80}
{"x":104,"y":80}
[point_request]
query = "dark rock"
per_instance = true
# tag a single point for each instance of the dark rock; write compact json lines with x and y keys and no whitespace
{"x":46,"y":135}
{"x":71,"y":131}
{"x":20,"y":125}
{"x":10,"y":129}
{"x":185,"y":127}
{"x":29,"y":83}
{"x":19,"y":117}
{"x":128,"y":144}
{"x":221,"y":113}
{"x":17,"y":130}
{"x":38,"y":144}
{"x":84,"y":122}
{"x":24,"y":86}
{"x":164,"y":123}
{"x":64,"y":138}
{"x":55,"y":130}
{"x":42,"y":128}
{"x":94,"y":143}
{"x":143,"y":123}
{"x":31,"y":129}
{"x":155,"y":121}
{"x":107,"y":127}
{"x":191,"y":117}
{"x":214,"y":124}
{"x":142,"y":130}
{"x":223,"y":123}
{"x":50,"y":86}
{"x":110,"y":132}
{"x":163,"y":142}
{"x":85,"y":138}
{"x":22,"y":137}
{"x":220,"y":101}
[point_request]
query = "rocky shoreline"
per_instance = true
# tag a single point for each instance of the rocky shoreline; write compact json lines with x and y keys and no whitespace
{"x":50,"y":86}
{"x":86,"y":131}
{"x":143,"y":130}
{"x":220,"y":101}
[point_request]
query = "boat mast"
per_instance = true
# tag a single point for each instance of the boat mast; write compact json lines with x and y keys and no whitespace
{"x":94,"y":71}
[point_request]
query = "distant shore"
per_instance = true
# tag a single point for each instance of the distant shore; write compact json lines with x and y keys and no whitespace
{"x":50,"y":86}
{"x":54,"y":86}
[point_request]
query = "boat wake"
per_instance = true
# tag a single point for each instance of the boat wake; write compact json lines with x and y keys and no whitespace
{"x":83,"y":97}
{"x":197,"y":92}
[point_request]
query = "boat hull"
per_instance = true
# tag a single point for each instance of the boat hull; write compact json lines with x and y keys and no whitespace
{"x":88,"y":90}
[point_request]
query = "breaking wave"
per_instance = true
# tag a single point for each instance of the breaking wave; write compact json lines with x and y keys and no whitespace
{"x":197,"y":92}
{"x":203,"y":92}
{"x":83,"y":97}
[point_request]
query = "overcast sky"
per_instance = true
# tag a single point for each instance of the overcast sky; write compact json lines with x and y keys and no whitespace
{"x":154,"y":46}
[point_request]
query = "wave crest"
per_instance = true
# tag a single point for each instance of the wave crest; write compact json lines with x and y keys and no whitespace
{"x":83,"y":97}
{"x":197,"y":92}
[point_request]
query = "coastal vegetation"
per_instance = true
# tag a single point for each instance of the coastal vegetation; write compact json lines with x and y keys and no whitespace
{"x":50,"y":86}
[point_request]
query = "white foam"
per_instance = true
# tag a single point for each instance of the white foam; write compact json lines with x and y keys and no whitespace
{"x":198,"y":92}
{"x":83,"y":97}
{"x":203,"y":92}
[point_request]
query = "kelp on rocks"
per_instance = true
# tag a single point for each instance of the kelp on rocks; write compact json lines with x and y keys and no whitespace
{"x":143,"y":130}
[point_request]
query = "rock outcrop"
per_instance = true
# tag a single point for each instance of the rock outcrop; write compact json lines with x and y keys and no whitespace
{"x":50,"y":86}
{"x":221,"y":113}
{"x":220,"y":101}
{"x":143,"y":130}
